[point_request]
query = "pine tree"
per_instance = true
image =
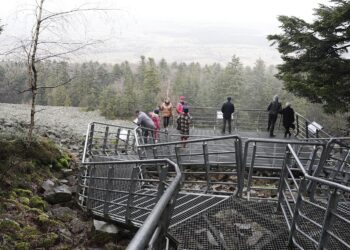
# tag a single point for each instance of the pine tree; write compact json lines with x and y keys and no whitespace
{"x":151,"y":84}
{"x":314,"y":54}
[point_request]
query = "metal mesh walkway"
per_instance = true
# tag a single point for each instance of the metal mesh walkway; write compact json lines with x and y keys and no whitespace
{"x":300,"y":187}
{"x":234,"y":224}
{"x":187,"y":206}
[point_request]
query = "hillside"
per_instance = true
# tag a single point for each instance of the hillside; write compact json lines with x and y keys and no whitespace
{"x":38,"y":184}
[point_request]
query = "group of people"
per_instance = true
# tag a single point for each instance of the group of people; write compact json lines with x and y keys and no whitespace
{"x":274,"y":109}
{"x":151,"y":123}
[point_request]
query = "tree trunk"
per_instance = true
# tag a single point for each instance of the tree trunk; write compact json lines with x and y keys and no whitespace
{"x":32,"y":73}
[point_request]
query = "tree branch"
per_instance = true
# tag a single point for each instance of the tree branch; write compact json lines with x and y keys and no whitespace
{"x":45,"y":87}
{"x":73,"y":11}
{"x":66,"y":52}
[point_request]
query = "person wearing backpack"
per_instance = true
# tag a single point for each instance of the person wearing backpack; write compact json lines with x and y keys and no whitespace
{"x":274,"y":109}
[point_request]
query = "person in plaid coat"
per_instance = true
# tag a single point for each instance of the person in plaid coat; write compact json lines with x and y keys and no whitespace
{"x":185,"y":122}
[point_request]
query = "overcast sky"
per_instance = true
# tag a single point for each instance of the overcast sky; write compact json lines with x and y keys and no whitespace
{"x":182,"y":30}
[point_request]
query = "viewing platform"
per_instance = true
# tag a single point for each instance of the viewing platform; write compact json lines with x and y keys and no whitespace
{"x":239,"y":191}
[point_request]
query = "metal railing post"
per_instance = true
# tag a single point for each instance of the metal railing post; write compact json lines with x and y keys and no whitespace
{"x":162,"y":175}
{"x":281,"y":185}
{"x":306,"y":129}
{"x":240,"y":170}
{"x":105,"y":138}
{"x":250,"y":173}
{"x":323,"y":159}
{"x":158,"y":240}
{"x":131,"y":194}
{"x":91,"y":137}
{"x":302,"y":189}
{"x":297,"y":122}
{"x":312,"y":160}
{"x":127,"y":142}
{"x":91,"y":185}
{"x":117,"y":141}
{"x":179,"y":162}
{"x":133,"y":143}
{"x":108,"y":187}
{"x":328,"y":219}
{"x":155,"y":152}
{"x":206,"y":165}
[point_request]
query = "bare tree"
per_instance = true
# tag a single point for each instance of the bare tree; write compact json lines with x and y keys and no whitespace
{"x":38,"y":48}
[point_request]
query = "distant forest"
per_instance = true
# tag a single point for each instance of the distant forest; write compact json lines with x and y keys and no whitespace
{"x":118,"y":90}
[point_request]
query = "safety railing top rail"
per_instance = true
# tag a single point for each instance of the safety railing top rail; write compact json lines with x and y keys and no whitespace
{"x":306,"y":129}
{"x":122,"y":135}
{"x":321,"y":221}
{"x":313,"y":178}
{"x":216,"y":159}
{"x":263,"y":160}
{"x":253,"y":119}
{"x":163,"y":136}
{"x":155,"y":227}
{"x":100,"y":180}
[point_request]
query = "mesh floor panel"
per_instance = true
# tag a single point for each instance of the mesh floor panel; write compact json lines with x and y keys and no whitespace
{"x":234,"y":224}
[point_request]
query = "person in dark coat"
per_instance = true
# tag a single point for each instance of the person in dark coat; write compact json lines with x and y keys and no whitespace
{"x":274,"y":108}
{"x":288,"y":119}
{"x":146,"y":124}
{"x":227,"y":110}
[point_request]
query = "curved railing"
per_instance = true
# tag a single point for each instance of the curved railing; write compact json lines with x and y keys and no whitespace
{"x":215,"y":162}
{"x":263,"y":160}
{"x":319,"y":220}
{"x":124,"y":191}
{"x":153,"y":231}
{"x":108,"y":140}
{"x":308,"y":178}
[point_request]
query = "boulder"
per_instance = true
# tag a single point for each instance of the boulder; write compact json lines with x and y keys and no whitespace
{"x":105,"y":227}
{"x":65,"y":236}
{"x":64,"y":214}
{"x":48,"y":185}
{"x":58,"y":194}
{"x":77,"y":225}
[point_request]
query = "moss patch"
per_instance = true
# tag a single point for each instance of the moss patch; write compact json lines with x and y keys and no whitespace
{"x":45,"y":222}
{"x":22,"y":246}
{"x":23,"y":192}
{"x":38,"y":202}
{"x":21,"y":165}
{"x":24,"y":200}
{"x":10,"y":227}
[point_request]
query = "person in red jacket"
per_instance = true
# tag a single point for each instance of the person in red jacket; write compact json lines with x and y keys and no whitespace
{"x":156,"y":120}
{"x":180,"y":105}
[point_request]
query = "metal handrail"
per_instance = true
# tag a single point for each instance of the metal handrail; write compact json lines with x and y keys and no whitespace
{"x":204,"y":154}
{"x":90,"y":134}
{"x":295,"y":213}
{"x":153,"y":226}
{"x":276,"y":156}
{"x":210,"y":119}
{"x":153,"y":230}
{"x":304,"y":126}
